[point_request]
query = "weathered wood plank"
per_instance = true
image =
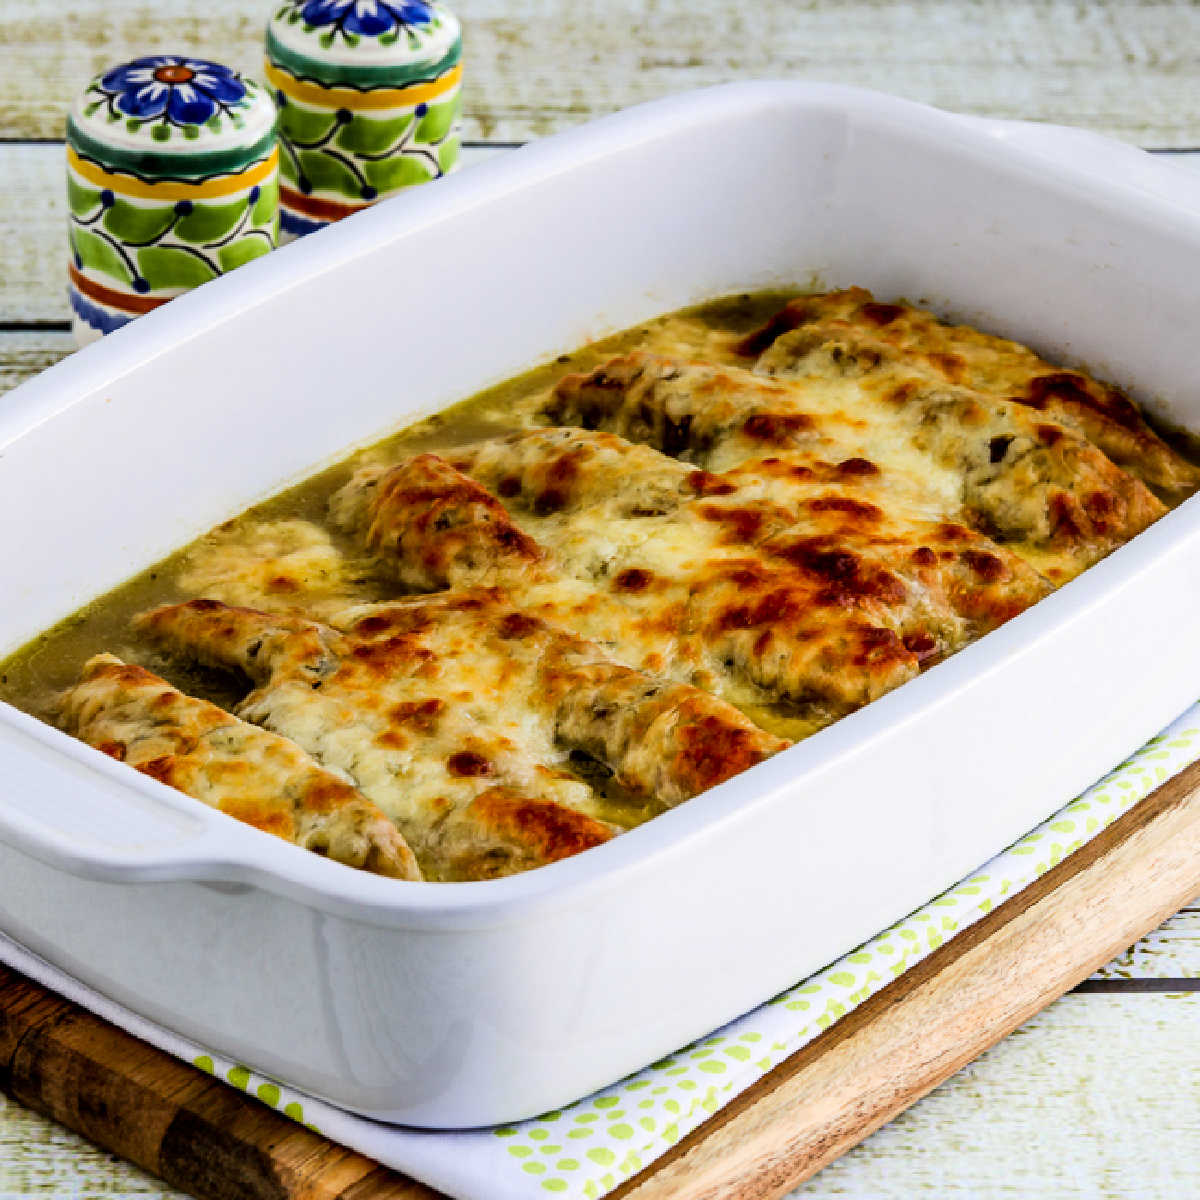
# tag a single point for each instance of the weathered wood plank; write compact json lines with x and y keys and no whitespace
{"x":33,"y":234}
{"x":534,"y":67}
{"x":1171,"y":952}
{"x":24,"y":355}
{"x":1112,"y":1076}
{"x":1109,"y":1080}
{"x":40,"y":1157}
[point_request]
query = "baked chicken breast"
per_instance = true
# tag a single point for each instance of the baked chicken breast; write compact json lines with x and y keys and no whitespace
{"x":457,"y":716}
{"x":258,"y":777}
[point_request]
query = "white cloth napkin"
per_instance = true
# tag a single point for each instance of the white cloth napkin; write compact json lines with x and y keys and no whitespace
{"x":590,"y":1147}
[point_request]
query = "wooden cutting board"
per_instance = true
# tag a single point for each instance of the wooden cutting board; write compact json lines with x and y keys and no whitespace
{"x":216,"y":1143}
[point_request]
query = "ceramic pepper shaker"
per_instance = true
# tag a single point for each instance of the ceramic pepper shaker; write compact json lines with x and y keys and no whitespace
{"x":172,"y":179}
{"x":369,"y":96}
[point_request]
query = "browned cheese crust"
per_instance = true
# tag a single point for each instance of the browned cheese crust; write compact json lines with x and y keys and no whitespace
{"x":456,"y":714}
{"x":962,"y":356}
{"x":265,"y":780}
{"x":604,"y":615}
{"x":782,"y":581}
{"x":1039,"y":487}
{"x":441,"y":529}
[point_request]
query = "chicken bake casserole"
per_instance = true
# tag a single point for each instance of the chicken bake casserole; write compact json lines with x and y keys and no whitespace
{"x":519,"y":628}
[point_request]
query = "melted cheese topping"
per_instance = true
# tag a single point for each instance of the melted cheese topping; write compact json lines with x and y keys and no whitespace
{"x":255,"y":776}
{"x":447,"y":712}
{"x":855,"y":516}
{"x":681,"y":558}
{"x":917,"y":342}
{"x":1039,"y":487}
{"x":785,"y":581}
{"x":279,"y":566}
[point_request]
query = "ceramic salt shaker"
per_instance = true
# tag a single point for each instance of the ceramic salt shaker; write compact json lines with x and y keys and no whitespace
{"x":172,"y":179}
{"x":369,"y":93}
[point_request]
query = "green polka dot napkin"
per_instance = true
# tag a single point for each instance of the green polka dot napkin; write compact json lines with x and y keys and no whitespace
{"x":591,"y":1146}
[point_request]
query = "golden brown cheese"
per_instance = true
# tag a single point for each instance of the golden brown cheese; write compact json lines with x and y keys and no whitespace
{"x":284,"y":566}
{"x":1040,"y":487}
{"x":1035,"y":484}
{"x":549,"y":471}
{"x":431,"y":705}
{"x":724,"y":418}
{"x":503,"y":831}
{"x":960,"y":355}
{"x":265,"y":780}
{"x":438,"y":527}
{"x":796,"y":549}
{"x":793,"y":521}
{"x":713,"y":416}
{"x":781,"y":577}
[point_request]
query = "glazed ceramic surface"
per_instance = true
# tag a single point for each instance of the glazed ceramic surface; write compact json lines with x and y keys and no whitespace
{"x":172,"y":180}
{"x":369,"y":93}
{"x":462,"y":1004}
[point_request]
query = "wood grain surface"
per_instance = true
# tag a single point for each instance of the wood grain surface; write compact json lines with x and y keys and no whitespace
{"x":26,"y":354}
{"x":165,"y":1116}
{"x":1093,"y":1097}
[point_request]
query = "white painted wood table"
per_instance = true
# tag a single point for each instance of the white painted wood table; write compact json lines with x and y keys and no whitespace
{"x":1100,"y":1094}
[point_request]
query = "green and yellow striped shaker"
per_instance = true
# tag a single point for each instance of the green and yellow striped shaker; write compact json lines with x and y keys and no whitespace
{"x":172,"y":179}
{"x":369,"y":93}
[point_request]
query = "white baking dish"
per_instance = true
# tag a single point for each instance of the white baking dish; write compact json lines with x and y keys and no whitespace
{"x":459,"y":1004}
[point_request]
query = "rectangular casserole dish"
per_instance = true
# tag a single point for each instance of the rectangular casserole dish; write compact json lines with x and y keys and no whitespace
{"x":447,"y":1005}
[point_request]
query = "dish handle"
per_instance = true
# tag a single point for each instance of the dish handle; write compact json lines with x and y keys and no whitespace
{"x":1095,"y":153}
{"x":74,"y":809}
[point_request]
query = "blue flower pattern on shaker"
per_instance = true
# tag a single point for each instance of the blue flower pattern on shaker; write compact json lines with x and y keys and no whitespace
{"x":184,"y":91}
{"x":367,"y":18}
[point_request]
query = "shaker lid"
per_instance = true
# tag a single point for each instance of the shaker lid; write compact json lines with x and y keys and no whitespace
{"x":364,"y":43}
{"x":172,"y":115}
